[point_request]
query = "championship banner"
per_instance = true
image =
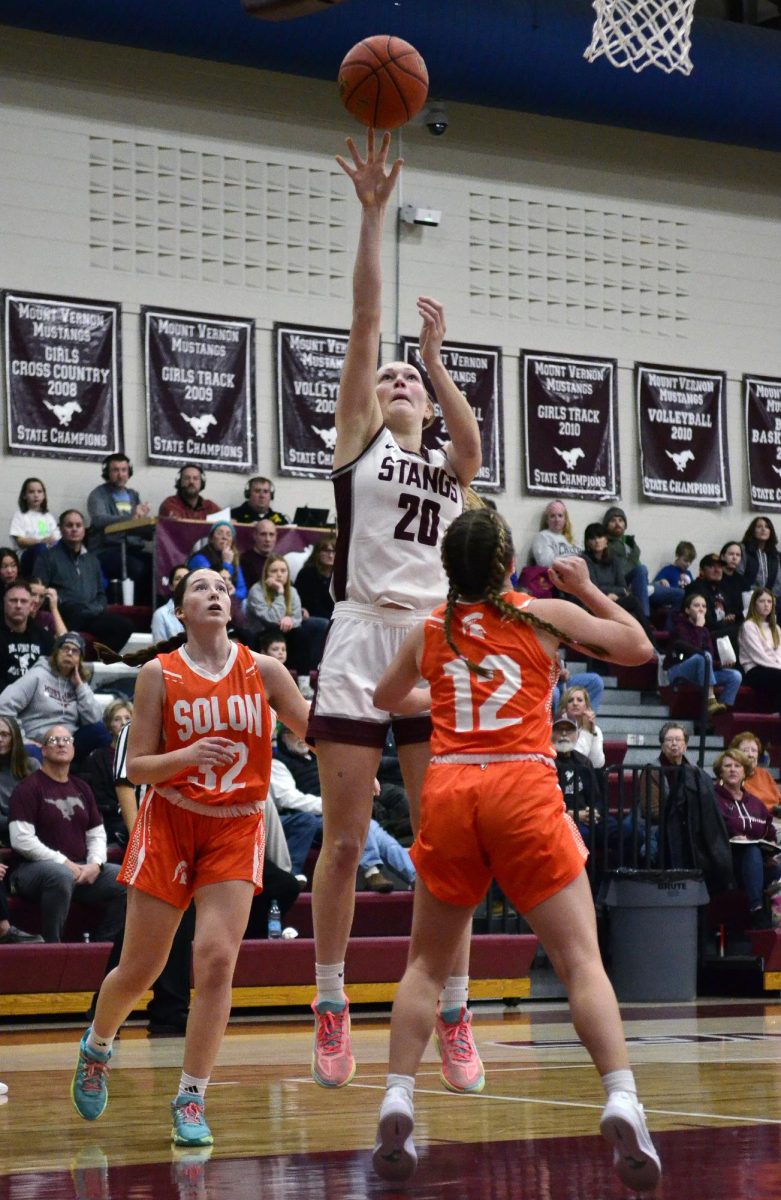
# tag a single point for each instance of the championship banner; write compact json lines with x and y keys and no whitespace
{"x":62,"y":376}
{"x":309,"y":363}
{"x":200,"y":394}
{"x":762,"y":406}
{"x":477,"y":372}
{"x":683,"y":446}
{"x":570,"y":421}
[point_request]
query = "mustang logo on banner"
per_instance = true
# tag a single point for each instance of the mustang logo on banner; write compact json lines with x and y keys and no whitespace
{"x":683,"y":440}
{"x":570,"y":425}
{"x":309,"y":366}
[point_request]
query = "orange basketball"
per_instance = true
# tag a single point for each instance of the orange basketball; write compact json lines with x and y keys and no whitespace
{"x":383,"y":81}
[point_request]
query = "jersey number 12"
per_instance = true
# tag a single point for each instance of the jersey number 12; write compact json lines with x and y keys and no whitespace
{"x":464,"y":705}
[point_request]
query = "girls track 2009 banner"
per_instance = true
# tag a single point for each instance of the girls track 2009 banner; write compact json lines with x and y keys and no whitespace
{"x":200,"y":393}
{"x":570,"y":422}
{"x":683,"y":440}
{"x":762,"y":406}
{"x":62,"y":376}
{"x":477,"y":371}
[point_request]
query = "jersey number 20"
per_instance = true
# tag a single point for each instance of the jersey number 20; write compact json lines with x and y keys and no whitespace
{"x":487,"y":717}
{"x":426,"y":513}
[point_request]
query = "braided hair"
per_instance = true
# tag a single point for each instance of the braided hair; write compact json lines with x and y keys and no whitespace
{"x":477,"y":552}
{"x":137,"y":658}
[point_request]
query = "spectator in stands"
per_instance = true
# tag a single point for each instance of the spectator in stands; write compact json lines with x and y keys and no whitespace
{"x":165,"y":623}
{"x":607,"y":573}
{"x":760,"y":563}
{"x":113,"y":501}
{"x":45,"y":609}
{"x":724,"y":611}
{"x":691,"y":655}
{"x":295,"y":787}
{"x":763,"y":785}
{"x":53,"y":690}
{"x":748,"y":823}
{"x":759,"y":646}
{"x":593,"y":684}
{"x":264,"y":540}
{"x":98,"y":771}
{"x":33,"y":527}
{"x":221,"y":554}
{"x":9,"y":934}
{"x":731,"y":554}
{"x":258,"y":495}
{"x":675,"y":577}
{"x":22,"y":642}
{"x":313,"y":582}
{"x":624,"y":548}
{"x":577,"y":779}
{"x":15,"y":765}
{"x":678,"y":793}
{"x":75,"y":572}
{"x":555,"y":539}
{"x":274,"y":602}
{"x":575,"y":705}
{"x":9,"y":566}
{"x":279,"y":882}
{"x":188,"y":504}
{"x":56,"y":828}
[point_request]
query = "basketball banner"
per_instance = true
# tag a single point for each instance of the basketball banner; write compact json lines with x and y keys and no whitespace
{"x":309,"y":363}
{"x":762,"y":406}
{"x":62,"y":376}
{"x":477,"y":372}
{"x":570,"y":422}
{"x":199,"y":384}
{"x":683,"y":438}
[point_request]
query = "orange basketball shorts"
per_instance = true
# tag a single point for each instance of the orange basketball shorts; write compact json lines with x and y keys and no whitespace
{"x":172,"y":852}
{"x":505,"y":821}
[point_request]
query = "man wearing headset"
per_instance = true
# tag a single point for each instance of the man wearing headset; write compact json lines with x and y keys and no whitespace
{"x":114,"y":501}
{"x":188,"y":504}
{"x":258,"y":495}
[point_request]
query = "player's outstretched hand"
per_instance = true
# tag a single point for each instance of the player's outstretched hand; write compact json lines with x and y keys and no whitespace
{"x":433,"y":329}
{"x":570,"y":575}
{"x":373,"y":184}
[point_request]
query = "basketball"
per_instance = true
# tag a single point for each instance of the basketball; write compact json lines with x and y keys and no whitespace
{"x":383,"y":82}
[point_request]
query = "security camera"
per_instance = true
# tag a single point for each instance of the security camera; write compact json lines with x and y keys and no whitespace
{"x":436,"y":119}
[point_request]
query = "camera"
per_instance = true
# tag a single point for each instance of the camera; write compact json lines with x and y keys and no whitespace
{"x":436,"y":119}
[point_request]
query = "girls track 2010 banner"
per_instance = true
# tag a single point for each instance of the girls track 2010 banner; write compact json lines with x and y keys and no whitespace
{"x":309,"y":363}
{"x":62,"y":376}
{"x":683,"y":439}
{"x":477,"y":371}
{"x":200,"y":393}
{"x":570,"y":421}
{"x":762,"y":406}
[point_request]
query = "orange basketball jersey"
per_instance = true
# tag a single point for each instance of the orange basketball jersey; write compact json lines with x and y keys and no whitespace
{"x":507,"y":713}
{"x":232,"y":705}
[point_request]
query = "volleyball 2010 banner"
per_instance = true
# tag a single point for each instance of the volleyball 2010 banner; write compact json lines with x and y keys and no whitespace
{"x":570,"y":424}
{"x":683,"y":437}
{"x":200,"y":393}
{"x":62,"y":376}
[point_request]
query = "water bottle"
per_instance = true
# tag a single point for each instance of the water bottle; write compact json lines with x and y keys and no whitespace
{"x":85,"y":937}
{"x":274,"y":921}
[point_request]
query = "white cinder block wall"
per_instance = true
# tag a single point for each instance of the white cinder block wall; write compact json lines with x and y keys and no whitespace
{"x":150,"y":179}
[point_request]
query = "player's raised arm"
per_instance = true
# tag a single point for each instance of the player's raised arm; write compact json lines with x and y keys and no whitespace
{"x":464,"y":448}
{"x":357,"y":411}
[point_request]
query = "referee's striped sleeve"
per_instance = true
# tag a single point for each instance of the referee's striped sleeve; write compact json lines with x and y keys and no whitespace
{"x":120,"y":756}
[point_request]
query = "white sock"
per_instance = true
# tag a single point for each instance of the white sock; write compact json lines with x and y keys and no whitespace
{"x":98,"y":1045}
{"x":620,"y":1081}
{"x":405,"y":1082}
{"x":455,"y":993}
{"x":191,"y":1084}
{"x":329,"y":981}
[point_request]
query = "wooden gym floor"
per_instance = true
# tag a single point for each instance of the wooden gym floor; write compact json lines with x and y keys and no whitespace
{"x":709,"y":1075}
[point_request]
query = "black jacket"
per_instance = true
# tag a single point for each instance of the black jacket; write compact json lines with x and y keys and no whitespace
{"x":693,"y":835}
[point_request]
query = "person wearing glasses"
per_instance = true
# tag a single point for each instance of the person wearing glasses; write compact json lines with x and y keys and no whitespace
{"x":55,"y":827}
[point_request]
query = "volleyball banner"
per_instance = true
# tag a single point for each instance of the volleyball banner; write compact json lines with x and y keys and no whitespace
{"x":309,"y":363}
{"x":477,"y":372}
{"x":570,"y":421}
{"x":62,"y":376}
{"x":762,"y":406}
{"x":683,"y":437}
{"x":200,"y":393}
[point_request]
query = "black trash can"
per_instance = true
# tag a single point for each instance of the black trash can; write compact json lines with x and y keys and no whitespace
{"x":653,"y":933}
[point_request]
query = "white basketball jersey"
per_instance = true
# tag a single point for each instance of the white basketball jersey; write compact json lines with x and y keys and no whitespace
{"x":392,"y":508}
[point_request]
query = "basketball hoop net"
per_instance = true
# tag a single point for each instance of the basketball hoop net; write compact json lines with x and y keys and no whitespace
{"x":643,"y":33}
